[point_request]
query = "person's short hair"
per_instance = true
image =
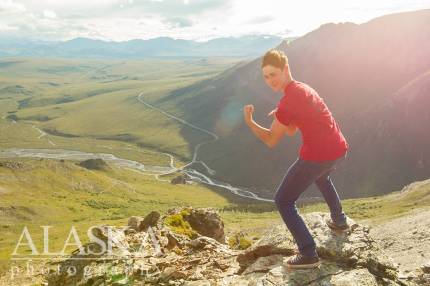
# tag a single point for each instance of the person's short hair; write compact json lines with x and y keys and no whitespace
{"x":274,"y":58}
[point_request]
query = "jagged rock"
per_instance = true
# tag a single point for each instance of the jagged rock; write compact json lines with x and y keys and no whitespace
{"x":357,"y":277}
{"x":353,"y":249}
{"x":128,"y":231}
{"x":134,"y":222}
{"x":420,"y":276}
{"x":138,"y":223}
{"x":203,"y":242}
{"x":265,"y":263}
{"x":207,"y":222}
{"x":172,"y":240}
{"x":172,"y":273}
{"x":150,"y":220}
{"x":159,"y":256}
{"x":276,"y":241}
{"x":426,"y":267}
{"x":422,"y":279}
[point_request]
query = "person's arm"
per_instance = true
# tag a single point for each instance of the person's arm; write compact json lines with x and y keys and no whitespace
{"x":272,"y":136}
{"x":291,"y":128}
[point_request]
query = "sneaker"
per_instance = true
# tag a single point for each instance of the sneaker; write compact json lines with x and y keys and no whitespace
{"x":337,"y":227}
{"x":300,"y":261}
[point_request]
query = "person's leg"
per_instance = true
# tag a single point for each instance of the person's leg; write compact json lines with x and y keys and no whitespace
{"x":328,"y":190}
{"x":299,"y":177}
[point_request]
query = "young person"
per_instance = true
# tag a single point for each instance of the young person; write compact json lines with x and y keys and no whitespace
{"x":301,"y":108}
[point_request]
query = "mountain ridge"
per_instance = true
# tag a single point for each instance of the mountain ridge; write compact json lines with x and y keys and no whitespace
{"x":161,"y":47}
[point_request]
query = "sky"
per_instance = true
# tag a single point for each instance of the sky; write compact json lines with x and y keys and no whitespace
{"x":199,"y":20}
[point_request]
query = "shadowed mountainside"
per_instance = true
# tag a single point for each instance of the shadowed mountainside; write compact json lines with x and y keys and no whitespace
{"x":357,"y":70}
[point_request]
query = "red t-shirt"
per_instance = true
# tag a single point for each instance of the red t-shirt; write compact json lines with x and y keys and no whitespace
{"x":321,"y":135}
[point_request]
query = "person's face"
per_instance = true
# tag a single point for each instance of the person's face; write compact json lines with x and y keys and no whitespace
{"x":274,"y":77}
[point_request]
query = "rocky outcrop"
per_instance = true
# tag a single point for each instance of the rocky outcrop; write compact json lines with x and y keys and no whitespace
{"x":159,"y":254}
{"x":421,"y":276}
{"x":181,"y":179}
{"x":206,"y":222}
{"x":352,"y":254}
{"x":136,"y":223}
{"x":94,"y":164}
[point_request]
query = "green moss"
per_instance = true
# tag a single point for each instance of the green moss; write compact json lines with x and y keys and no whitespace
{"x":239,"y":241}
{"x":178,"y":224}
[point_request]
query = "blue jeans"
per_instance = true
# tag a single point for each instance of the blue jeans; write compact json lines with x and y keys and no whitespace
{"x":299,"y":177}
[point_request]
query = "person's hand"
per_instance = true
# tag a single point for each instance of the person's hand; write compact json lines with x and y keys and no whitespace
{"x":272,"y":112}
{"x":248,"y":110}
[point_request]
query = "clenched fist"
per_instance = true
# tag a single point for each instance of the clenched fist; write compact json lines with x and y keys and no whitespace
{"x":248,"y":110}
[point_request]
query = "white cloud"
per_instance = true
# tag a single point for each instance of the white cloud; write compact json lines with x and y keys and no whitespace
{"x":6,"y":28}
{"x":10,"y":7}
{"x":188,"y":19}
{"x":49,"y":14}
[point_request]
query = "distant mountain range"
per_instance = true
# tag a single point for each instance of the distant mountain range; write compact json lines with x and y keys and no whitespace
{"x":245,"y":46}
{"x":375,"y":79}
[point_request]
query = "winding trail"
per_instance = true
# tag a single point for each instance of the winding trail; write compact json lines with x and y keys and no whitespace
{"x":194,"y":174}
{"x":197,"y":147}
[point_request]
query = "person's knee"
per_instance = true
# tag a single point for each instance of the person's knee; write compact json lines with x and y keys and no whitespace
{"x":323,"y":181}
{"x":284,"y":201}
{"x":278,"y":199}
{"x":281,"y":197}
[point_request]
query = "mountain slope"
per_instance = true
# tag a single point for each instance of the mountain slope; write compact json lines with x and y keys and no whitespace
{"x":353,"y":67}
{"x":395,"y":134}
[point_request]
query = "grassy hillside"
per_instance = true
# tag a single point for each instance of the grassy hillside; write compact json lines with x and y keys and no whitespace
{"x":92,"y":105}
{"x":62,"y":194}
